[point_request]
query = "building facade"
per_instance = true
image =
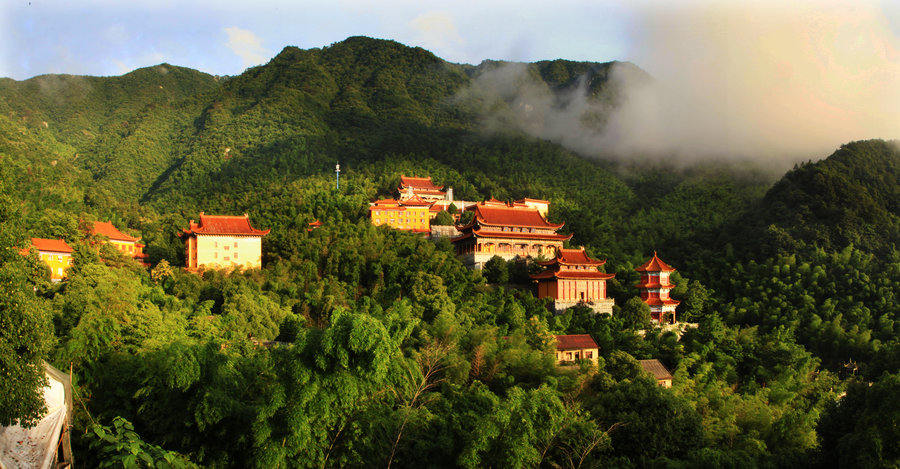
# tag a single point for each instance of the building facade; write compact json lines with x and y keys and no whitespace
{"x":56,"y":253}
{"x":506,"y":230}
{"x":655,"y":287}
{"x":658,"y":370}
{"x":127,"y":245}
{"x":410,"y":214}
{"x":573,"y":347}
{"x":222,"y":241}
{"x":572,"y":278}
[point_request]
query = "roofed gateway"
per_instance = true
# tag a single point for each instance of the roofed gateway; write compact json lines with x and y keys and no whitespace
{"x":506,"y":230}
{"x":222,"y":241}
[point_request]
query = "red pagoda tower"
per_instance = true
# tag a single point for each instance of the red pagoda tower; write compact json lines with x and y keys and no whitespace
{"x":572,"y":278}
{"x":655,"y":287}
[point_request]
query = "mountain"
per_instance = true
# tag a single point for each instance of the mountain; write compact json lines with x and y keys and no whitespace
{"x":851,"y":197}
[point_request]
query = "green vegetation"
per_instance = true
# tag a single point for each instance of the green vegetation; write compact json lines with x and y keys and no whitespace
{"x":383,"y":349}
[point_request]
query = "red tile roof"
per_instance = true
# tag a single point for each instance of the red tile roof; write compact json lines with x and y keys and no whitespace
{"x":512,"y":235}
{"x":661,"y":302}
{"x":107,"y":229}
{"x":573,"y":257}
{"x":224,"y":225}
{"x":655,"y":265}
{"x":418,"y":183}
{"x":487,"y":213}
{"x":51,"y":245}
{"x":415,"y":201}
{"x":567,"y":274}
{"x":575,"y":341}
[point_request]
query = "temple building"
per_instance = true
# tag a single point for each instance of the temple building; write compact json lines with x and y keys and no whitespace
{"x":128,"y":245}
{"x":410,"y":214}
{"x":572,"y":278}
{"x":55,"y":253}
{"x":423,"y":188}
{"x":574,"y":347}
{"x":655,"y":287}
{"x":222,"y":241}
{"x":506,"y":230}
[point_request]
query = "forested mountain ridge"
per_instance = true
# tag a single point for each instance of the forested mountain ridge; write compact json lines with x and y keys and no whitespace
{"x":392,"y":353}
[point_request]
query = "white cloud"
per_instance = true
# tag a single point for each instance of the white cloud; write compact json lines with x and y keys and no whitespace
{"x":247,"y":46}
{"x":437,"y":31}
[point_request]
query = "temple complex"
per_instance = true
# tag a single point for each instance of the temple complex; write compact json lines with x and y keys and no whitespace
{"x":655,"y":287}
{"x":572,"y":278}
{"x":126,"y":244}
{"x":222,"y":241}
{"x":55,"y":253}
{"x":410,"y":214}
{"x":506,"y":230}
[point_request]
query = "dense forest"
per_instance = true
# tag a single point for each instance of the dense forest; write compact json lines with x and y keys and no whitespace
{"x":387,"y":350}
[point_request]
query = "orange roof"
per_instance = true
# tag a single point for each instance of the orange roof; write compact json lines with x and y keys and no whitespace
{"x":418,"y":183}
{"x":575,"y":341}
{"x":51,"y":245}
{"x":107,"y":229}
{"x":224,"y":225}
{"x":568,"y":274}
{"x":501,"y":214}
{"x":572,"y":257}
{"x":661,"y":302}
{"x":512,"y":235}
{"x":655,"y":265}
{"x":415,"y":201}
{"x":316,"y":223}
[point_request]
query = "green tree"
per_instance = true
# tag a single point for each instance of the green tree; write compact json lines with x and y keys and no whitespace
{"x":495,"y":270}
{"x":443,"y":218}
{"x":635,"y":313}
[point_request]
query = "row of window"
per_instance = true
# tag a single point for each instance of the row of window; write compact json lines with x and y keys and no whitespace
{"x":59,"y":258}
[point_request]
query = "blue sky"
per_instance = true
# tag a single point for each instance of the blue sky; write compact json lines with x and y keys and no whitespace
{"x":111,"y":37}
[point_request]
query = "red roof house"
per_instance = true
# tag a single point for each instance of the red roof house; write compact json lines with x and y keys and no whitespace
{"x":222,"y":241}
{"x":573,"y":347}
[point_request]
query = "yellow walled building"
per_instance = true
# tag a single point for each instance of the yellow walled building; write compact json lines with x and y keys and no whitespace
{"x":56,"y":254}
{"x":410,"y":214}
{"x":128,"y":245}
{"x":222,"y":241}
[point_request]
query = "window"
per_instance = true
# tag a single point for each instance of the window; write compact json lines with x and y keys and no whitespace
{"x":589,"y":354}
{"x":227,"y":247}
{"x":227,"y":258}
{"x":235,"y":254}
{"x":216,"y":244}
{"x":235,"y":244}
{"x":215,"y":255}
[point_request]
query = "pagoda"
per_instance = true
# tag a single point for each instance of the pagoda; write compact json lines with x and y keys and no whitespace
{"x":222,"y":241}
{"x":572,"y":278}
{"x":506,"y":230}
{"x":655,"y":287}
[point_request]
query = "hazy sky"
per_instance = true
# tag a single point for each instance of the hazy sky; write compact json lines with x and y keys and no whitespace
{"x":749,"y":76}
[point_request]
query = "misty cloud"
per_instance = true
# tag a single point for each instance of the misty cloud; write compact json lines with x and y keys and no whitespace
{"x":779,"y":84}
{"x":247,"y":46}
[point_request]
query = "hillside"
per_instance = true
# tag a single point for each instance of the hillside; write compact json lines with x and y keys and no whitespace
{"x":356,"y":345}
